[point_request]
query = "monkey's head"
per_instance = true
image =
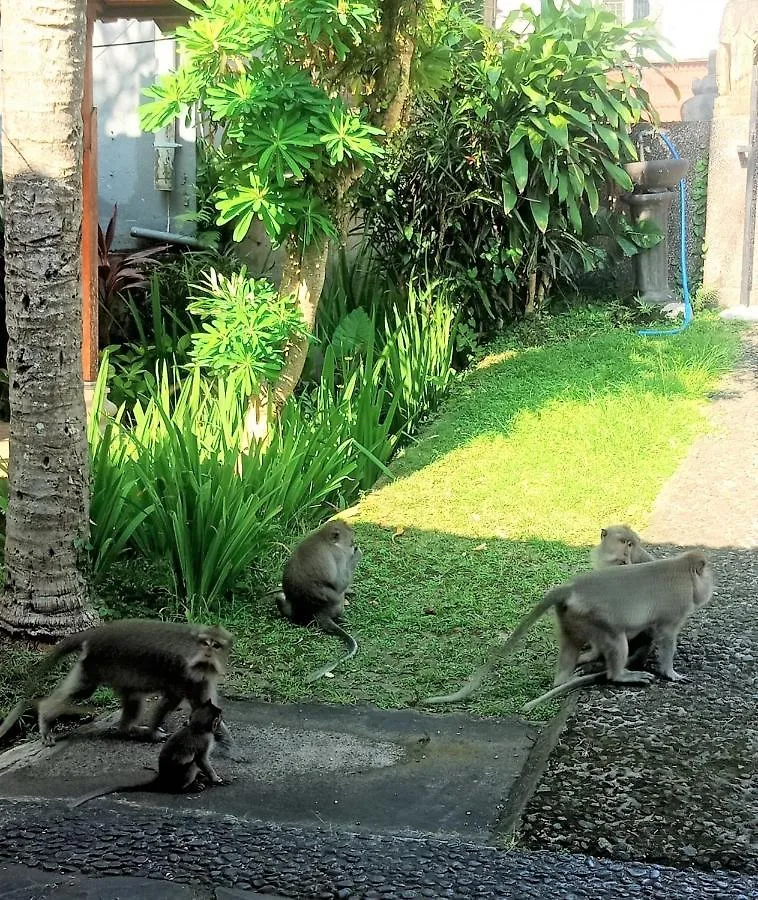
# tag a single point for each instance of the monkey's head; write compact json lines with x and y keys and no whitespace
{"x":618,"y":543}
{"x":214,"y":643}
{"x":697,"y":561}
{"x":339,"y":533}
{"x":207,"y":717}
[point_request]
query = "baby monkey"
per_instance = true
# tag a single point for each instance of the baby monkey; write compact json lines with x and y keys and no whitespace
{"x":315,"y":581}
{"x":184,"y":757}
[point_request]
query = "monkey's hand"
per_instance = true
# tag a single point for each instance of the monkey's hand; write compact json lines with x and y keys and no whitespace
{"x":48,"y":740}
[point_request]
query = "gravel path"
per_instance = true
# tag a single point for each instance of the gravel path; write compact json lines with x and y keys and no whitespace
{"x":192,"y":848}
{"x":669,"y":774}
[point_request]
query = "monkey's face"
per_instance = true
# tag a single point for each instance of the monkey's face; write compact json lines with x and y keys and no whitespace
{"x":619,"y":544}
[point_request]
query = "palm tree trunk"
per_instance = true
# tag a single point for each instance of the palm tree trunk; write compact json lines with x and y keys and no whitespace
{"x":46,"y":591}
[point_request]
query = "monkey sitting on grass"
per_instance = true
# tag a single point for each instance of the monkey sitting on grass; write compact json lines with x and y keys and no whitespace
{"x":315,"y":581}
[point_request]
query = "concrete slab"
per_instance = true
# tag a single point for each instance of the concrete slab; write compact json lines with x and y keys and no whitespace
{"x":351,"y":767}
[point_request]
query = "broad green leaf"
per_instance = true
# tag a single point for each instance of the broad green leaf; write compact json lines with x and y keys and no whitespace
{"x":510,"y":197}
{"x":520,"y":166}
{"x":541,"y":213}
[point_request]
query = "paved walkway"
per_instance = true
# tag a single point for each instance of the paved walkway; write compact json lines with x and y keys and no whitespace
{"x":670,"y":773}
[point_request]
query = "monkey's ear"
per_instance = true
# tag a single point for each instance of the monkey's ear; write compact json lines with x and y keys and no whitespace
{"x":603,"y":533}
{"x":699,"y":566}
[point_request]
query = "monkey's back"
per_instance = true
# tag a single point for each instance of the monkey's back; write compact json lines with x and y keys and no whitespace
{"x":140,"y":653}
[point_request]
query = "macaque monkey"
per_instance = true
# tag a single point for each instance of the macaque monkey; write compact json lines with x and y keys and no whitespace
{"x":184,"y":756}
{"x":606,"y":608}
{"x":621,"y":546}
{"x":618,"y":546}
{"x":315,"y":581}
{"x":136,"y":658}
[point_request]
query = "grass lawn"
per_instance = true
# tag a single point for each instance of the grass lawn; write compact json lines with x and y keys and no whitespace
{"x":567,"y":425}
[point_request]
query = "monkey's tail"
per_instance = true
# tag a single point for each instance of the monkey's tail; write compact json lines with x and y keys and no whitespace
{"x":552,"y":598}
{"x":566,"y":688}
{"x":62,"y":648}
{"x":119,"y":789}
{"x":328,"y":625}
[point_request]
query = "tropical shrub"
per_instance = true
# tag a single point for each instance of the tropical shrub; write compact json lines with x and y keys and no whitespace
{"x":176,"y":488}
{"x":496,"y":184}
{"x":295,"y":99}
{"x":246,"y":326}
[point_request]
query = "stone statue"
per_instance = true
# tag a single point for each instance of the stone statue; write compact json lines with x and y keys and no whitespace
{"x":736,"y":54}
{"x":699,"y":107}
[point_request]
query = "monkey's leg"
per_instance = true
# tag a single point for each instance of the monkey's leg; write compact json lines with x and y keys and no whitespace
{"x":615,"y":648}
{"x":131,"y":713}
{"x":283,"y":604}
{"x":75,"y":684}
{"x":567,"y":659}
{"x":639,"y":650}
{"x":227,"y":746}
{"x":589,"y":656}
{"x":666,"y":643}
{"x":167,"y":703}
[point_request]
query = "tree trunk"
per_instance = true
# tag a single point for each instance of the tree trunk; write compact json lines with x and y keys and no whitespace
{"x":46,"y":591}
{"x":303,"y":275}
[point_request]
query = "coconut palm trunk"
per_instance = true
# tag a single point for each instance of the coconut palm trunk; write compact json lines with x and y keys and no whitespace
{"x":47,"y":528}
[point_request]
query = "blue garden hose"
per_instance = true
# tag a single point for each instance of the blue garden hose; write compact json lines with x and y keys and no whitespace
{"x":648,"y":332}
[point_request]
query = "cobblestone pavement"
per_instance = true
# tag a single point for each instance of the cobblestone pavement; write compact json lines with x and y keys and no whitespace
{"x":195,"y":849}
{"x":668,"y":774}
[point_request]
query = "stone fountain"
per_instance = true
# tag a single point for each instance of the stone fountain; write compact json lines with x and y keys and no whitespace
{"x":654,"y":181}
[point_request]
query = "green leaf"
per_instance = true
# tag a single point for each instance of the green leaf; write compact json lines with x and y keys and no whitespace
{"x":520,"y":166}
{"x":617,"y":174}
{"x":608,"y":137}
{"x":510,"y":197}
{"x":592,"y":196}
{"x":541,"y":213}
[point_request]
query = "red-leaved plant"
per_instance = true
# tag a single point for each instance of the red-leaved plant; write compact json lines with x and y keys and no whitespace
{"x":117,"y":274}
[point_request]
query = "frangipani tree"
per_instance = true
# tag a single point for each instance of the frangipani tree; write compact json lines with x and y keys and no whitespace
{"x":296,"y":97}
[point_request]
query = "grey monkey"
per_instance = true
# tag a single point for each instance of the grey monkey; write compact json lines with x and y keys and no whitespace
{"x":184,"y":756}
{"x":316,"y":579}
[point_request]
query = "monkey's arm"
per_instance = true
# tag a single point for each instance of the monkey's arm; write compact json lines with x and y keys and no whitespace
{"x":203,"y":763}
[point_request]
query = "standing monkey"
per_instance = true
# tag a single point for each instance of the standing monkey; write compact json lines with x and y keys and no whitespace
{"x":621,"y":546}
{"x":605,"y":608}
{"x":184,"y":756}
{"x":315,"y":581}
{"x":136,"y":658}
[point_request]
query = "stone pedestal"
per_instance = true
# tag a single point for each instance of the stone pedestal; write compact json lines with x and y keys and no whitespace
{"x":651,"y":266}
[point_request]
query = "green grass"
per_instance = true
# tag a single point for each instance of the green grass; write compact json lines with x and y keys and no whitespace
{"x":567,"y":424}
